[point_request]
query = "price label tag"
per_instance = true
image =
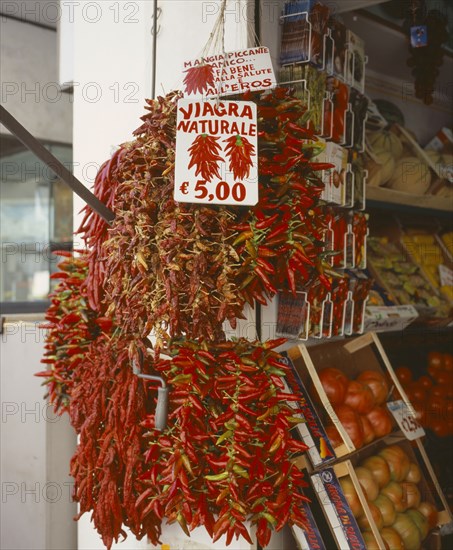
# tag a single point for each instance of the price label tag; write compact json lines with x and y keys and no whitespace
{"x":216,"y":152}
{"x":446,"y":275}
{"x":405,"y":419}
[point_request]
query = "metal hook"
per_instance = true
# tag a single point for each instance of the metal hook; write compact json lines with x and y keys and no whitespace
{"x":161,"y":414}
{"x":156,"y":28}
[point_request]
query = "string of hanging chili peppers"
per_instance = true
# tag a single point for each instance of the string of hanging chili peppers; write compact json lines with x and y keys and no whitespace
{"x":182,"y":270}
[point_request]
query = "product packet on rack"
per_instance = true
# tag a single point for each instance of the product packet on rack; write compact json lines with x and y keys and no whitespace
{"x":316,"y":85}
{"x":357,"y":163}
{"x":338,"y":63}
{"x":300,"y":84}
{"x":295,"y":37}
{"x":338,"y":156}
{"x":339,"y":95}
{"x":359,"y":106}
{"x":319,"y":19}
{"x":356,"y":61}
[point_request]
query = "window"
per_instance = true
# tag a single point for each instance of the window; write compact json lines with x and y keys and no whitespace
{"x":35,"y":218}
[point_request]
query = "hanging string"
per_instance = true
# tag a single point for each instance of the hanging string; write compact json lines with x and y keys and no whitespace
{"x":222,"y":68}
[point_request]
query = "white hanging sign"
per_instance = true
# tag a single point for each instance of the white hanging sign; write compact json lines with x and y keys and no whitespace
{"x":229,"y":73}
{"x":216,"y":152}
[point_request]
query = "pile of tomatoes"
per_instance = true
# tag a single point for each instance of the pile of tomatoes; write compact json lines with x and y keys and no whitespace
{"x":432,"y":394}
{"x":359,"y":405}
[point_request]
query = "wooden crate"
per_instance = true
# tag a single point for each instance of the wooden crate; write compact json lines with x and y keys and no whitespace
{"x":352,"y":356}
{"x":429,"y":485}
{"x":326,"y":483}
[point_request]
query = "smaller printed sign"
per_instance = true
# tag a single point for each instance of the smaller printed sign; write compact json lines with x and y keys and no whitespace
{"x":445,"y":275}
{"x":405,"y":419}
{"x":216,"y":152}
{"x":230,"y":73}
{"x":310,"y":537}
{"x":338,"y":512}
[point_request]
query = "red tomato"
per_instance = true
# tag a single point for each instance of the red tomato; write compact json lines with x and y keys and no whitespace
{"x":333,"y":435}
{"x":381,"y":421}
{"x":377,"y":383}
{"x":439,"y":391}
{"x":436,"y":410}
{"x":368,"y":432}
{"x":404,"y":374}
{"x":448,"y":362}
{"x":426,"y":382}
{"x":359,"y":397}
{"x":351,"y":422}
{"x":432,"y":371}
{"x":444,"y":378}
{"x":435,"y":359}
{"x":440,"y":428}
{"x":334,"y":383}
{"x":417,"y":391}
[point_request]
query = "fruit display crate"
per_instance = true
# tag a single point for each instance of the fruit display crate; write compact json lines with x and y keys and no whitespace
{"x":349,"y":506}
{"x":391,"y":263}
{"x":324,"y":433}
{"x":427,"y":252}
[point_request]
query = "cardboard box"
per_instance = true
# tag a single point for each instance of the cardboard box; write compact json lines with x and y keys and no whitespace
{"x":389,"y":318}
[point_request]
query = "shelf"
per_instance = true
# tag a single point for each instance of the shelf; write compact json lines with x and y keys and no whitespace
{"x":379,"y":195}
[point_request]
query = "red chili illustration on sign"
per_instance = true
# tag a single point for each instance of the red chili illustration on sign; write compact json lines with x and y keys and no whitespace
{"x":199,"y":79}
{"x":240,"y":151}
{"x":204,"y":155}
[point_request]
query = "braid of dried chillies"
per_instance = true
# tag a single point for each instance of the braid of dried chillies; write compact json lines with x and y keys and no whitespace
{"x":72,"y":326}
{"x":107,"y":407}
{"x":204,"y":155}
{"x":198,"y":79}
{"x":89,"y":376}
{"x":94,"y":229}
{"x":283,"y":236}
{"x":169,"y":266}
{"x":240,"y":152}
{"x":229,"y":415}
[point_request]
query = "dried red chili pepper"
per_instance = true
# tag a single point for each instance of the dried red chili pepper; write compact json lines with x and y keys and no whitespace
{"x":199,"y":78}
{"x":239,"y":150}
{"x":204,"y":155}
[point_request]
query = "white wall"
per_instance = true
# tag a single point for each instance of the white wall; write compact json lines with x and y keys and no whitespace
{"x":29,"y":81}
{"x":36,"y":447}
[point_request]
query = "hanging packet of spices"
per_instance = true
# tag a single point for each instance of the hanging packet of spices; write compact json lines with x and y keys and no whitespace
{"x":359,"y":106}
{"x":356,"y":61}
{"x":318,"y":18}
{"x":216,"y":157}
{"x":338,"y":33}
{"x":338,"y":156}
{"x":292,"y":315}
{"x":359,"y":172}
{"x":316,"y":85}
{"x":339,"y":93}
{"x":229,"y":73}
{"x":295,"y":37}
